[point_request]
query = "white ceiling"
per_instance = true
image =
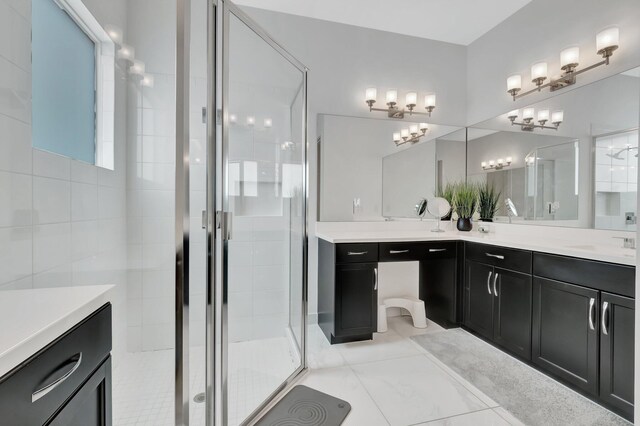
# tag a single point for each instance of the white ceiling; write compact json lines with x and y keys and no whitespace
{"x":453,"y":21}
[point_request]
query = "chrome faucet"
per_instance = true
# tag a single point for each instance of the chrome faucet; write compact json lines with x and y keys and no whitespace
{"x":627,"y":242}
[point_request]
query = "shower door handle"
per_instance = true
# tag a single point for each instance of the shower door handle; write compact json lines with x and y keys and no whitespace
{"x":224,"y":222}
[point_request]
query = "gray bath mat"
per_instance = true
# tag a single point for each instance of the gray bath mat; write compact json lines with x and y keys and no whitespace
{"x":304,"y":406}
{"x":529,"y":395}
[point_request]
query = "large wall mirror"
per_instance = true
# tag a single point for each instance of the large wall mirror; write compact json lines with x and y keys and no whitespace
{"x":582,"y":174}
{"x":365,"y":176}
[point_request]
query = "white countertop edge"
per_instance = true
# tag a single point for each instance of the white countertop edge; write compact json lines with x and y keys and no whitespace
{"x":30,"y":345}
{"x":489,"y":239}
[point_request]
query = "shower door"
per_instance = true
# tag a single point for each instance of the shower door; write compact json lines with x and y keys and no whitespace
{"x":260,"y":198}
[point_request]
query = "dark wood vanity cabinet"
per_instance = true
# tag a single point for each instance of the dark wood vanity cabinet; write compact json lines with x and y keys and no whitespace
{"x":583,"y":326}
{"x":347,"y":291}
{"x":498,"y":296}
{"x":616,"y":351}
{"x":66,"y":383}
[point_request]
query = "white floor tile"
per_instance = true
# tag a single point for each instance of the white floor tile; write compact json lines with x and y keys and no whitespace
{"x":342,"y":383}
{"x":386,"y":345}
{"x":413,"y":390}
{"x":508,"y":416}
{"x":403,"y":325}
{"x":321,"y":354}
{"x":478,"y":418}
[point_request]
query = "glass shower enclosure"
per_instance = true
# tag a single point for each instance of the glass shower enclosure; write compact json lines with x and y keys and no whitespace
{"x":256,"y":203}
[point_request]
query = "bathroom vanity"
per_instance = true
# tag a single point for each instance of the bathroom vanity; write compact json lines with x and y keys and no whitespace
{"x":55,"y":363}
{"x":563,"y":310}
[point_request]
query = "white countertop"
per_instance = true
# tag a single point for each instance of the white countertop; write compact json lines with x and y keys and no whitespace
{"x":31,"y":319}
{"x":595,"y":250}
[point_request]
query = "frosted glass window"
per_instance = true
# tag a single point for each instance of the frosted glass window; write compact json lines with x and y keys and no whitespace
{"x":63,"y":84}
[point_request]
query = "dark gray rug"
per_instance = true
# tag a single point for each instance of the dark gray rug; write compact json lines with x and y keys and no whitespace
{"x":304,"y":406}
{"x":529,"y":395}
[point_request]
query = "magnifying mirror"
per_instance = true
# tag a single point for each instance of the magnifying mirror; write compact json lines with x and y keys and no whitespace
{"x":421,"y":208}
{"x":511,"y":209}
{"x":438,"y":208}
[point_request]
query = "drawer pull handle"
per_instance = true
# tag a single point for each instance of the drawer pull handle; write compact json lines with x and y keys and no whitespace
{"x":605,"y":308}
{"x":356,"y":253}
{"x":398,"y":251}
{"x":592,"y":305}
{"x":489,"y":282}
{"x":436,"y":250}
{"x":495,"y":279}
{"x":77,"y":359}
{"x":497,"y":256}
{"x":375,"y":278}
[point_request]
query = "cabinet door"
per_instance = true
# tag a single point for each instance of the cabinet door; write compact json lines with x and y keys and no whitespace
{"x":438,"y":290}
{"x":91,"y":405}
{"x":479,"y":298}
{"x":356,"y":299}
{"x":616,"y":352}
{"x":512,"y":311}
{"x":565,"y":331}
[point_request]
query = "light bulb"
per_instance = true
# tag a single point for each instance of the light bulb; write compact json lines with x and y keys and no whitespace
{"x":147,"y":80}
{"x":539,"y":72}
{"x":126,"y":53}
{"x":114,"y":32}
{"x":392,"y":96}
{"x":500,"y":161}
{"x":483,"y":164}
{"x":404,"y":133}
{"x":396,"y":137}
{"x":370,"y":94}
{"x":430,"y":101}
{"x":514,"y":82}
{"x":411,"y":99}
{"x":251,"y":120}
{"x":424,"y":127}
{"x":413,"y":129}
{"x":492,"y":163}
{"x":233,"y":118}
{"x":557,"y":117}
{"x":268,"y":123}
{"x":543,"y":115}
{"x":509,"y":160}
{"x":607,"y":40}
{"x":528,"y":113}
{"x":570,"y":58}
{"x":137,"y":68}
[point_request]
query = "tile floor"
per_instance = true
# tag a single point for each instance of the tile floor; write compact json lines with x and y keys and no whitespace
{"x":143,"y":382}
{"x":393,"y":381}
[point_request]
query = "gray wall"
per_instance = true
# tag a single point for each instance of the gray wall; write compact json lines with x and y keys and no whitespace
{"x":344,"y":60}
{"x":539,"y":31}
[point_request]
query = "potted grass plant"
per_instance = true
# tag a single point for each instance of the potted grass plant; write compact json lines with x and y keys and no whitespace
{"x":488,"y":200}
{"x":465,"y":203}
{"x":447,"y":192}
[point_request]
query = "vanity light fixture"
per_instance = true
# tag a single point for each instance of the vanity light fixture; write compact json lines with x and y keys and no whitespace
{"x":410,"y":135}
{"x":496,"y":165}
{"x":391,"y":98}
{"x":528,"y":114}
{"x":607,"y":41}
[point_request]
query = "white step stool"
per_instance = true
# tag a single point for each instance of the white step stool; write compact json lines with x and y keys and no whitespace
{"x":414,"y":306}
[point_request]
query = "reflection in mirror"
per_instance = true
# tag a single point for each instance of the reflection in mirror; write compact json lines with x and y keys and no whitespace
{"x":420,"y":171}
{"x":582,"y":173}
{"x":351,"y":154}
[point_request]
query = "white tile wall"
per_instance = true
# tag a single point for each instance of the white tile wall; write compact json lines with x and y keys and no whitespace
{"x":62,"y":222}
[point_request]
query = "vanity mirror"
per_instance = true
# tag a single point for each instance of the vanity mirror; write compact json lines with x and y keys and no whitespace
{"x":574,"y":165}
{"x":365,"y":175}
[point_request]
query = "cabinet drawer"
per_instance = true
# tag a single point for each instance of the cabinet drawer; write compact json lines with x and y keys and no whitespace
{"x":401,"y":252}
{"x":437,"y":250}
{"x":357,"y":253}
{"x":68,"y":361}
{"x":609,"y":277}
{"x":502,"y":257}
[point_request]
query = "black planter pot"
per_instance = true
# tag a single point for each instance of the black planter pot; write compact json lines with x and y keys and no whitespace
{"x":464,"y":224}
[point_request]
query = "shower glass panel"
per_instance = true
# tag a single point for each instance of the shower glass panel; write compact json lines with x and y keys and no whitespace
{"x":264,"y":196}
